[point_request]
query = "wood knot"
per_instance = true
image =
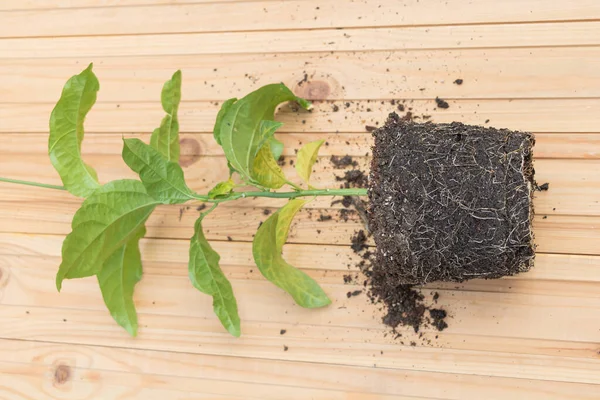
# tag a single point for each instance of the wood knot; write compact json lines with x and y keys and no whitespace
{"x":62,"y":374}
{"x":313,"y":90}
{"x":189,"y":152}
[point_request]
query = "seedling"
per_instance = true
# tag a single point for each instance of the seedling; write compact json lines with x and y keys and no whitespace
{"x":108,"y":226}
{"x":448,"y":202}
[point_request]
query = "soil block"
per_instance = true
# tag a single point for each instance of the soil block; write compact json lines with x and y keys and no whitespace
{"x":450,"y":202}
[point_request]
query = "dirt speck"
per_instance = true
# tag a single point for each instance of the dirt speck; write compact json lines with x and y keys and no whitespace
{"x":441,"y":103}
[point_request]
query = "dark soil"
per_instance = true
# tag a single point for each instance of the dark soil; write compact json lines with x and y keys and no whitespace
{"x":343,"y":162}
{"x":405,"y":305}
{"x":458,"y":82}
{"x":441,"y":103}
{"x":438,"y":315}
{"x":359,"y":241}
{"x":543,"y":187}
{"x":353,"y":178}
{"x":449,"y":202}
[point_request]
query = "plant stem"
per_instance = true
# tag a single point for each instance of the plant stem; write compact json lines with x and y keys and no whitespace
{"x":289,"y":195}
{"x":29,"y":183}
{"x":234,"y":195}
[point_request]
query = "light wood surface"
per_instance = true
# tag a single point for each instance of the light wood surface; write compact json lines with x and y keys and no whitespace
{"x":531,"y":65}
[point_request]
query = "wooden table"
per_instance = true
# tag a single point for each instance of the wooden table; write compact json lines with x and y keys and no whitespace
{"x":526,"y":64}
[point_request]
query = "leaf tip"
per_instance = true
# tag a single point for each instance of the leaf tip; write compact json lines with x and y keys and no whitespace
{"x":131,"y":329}
{"x":235,"y":331}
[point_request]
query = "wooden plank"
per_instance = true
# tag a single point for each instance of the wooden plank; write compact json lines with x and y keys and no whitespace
{"x":575,"y":184}
{"x":22,"y":5}
{"x":294,"y":41}
{"x":327,"y":262}
{"x":547,"y":145}
{"x":349,"y":336}
{"x":487,"y":73}
{"x":539,"y":115}
{"x":293,"y":14}
{"x":560,"y":234}
{"x":226,"y":376}
{"x":39,"y":380}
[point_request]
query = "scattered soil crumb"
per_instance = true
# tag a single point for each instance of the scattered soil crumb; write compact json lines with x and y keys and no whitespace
{"x":354,"y":293}
{"x":266,"y":211}
{"x":359,"y":241}
{"x":458,"y":82}
{"x":441,"y":103}
{"x":201,"y":207}
{"x":324,"y":217}
{"x":543,"y":187}
{"x":354,"y":178}
{"x":285,"y":348}
{"x":370,"y":128}
{"x":438,"y":315}
{"x":282,"y":332}
{"x":229,"y":238}
{"x":343,"y":162}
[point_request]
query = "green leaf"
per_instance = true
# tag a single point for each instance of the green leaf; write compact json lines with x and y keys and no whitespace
{"x":66,"y":133}
{"x":220,"y":115}
{"x":107,"y":220}
{"x":165,"y":139}
{"x":267,"y":247}
{"x":163,"y":179}
{"x":206,"y":276}
{"x":117,"y":279}
{"x":240,"y":133}
{"x":266,"y":171}
{"x":221,"y":189}
{"x":276,"y":147}
{"x":307,"y":156}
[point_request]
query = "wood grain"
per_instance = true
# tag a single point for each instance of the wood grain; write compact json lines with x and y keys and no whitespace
{"x":585,"y":146}
{"x":293,"y":14}
{"x":298,"y":41}
{"x":535,"y":115}
{"x":270,"y":379}
{"x":558,"y":72}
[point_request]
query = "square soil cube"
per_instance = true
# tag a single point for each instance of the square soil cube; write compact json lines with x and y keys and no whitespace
{"x":450,"y":202}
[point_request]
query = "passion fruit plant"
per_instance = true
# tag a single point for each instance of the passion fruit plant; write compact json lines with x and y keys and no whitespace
{"x":107,"y":228}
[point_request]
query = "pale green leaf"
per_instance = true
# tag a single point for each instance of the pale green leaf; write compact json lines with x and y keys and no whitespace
{"x":105,"y":222}
{"x":163,"y":179}
{"x":165,"y":139}
{"x":121,"y":271}
{"x":206,"y":276}
{"x":240,"y":133}
{"x":276,"y":147}
{"x":220,"y":115}
{"x":66,"y":133}
{"x":221,"y":189}
{"x":267,"y":248}
{"x":307,"y":156}
{"x":265,"y":171}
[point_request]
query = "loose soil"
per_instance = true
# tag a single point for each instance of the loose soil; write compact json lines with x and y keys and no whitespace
{"x":449,"y":202}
